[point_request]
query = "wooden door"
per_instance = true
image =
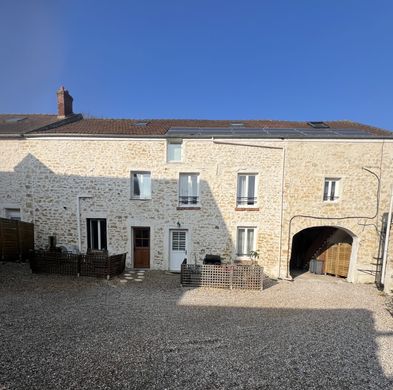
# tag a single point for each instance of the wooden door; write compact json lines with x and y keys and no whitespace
{"x":141,"y":241}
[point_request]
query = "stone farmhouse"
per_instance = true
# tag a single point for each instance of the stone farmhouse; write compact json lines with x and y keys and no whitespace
{"x":168,"y":190}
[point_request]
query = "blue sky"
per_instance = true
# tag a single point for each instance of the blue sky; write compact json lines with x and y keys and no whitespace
{"x":297,"y":60}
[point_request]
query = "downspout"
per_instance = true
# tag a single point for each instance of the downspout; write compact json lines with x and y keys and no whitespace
{"x":78,"y":219}
{"x":282,"y":185}
{"x":386,"y":243}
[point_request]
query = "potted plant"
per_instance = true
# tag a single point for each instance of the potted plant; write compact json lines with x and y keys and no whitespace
{"x":254,"y":256}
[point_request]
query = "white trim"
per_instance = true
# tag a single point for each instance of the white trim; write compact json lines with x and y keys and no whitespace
{"x":245,"y":226}
{"x":143,"y":172}
{"x":6,"y":206}
{"x":174,"y":141}
{"x":256,"y":189}
{"x":337,"y":189}
{"x":87,"y":138}
{"x":256,"y":140}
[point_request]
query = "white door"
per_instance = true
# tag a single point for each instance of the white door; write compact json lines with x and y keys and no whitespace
{"x":177,"y":249}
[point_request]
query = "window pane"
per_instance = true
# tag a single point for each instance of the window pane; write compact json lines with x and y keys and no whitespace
{"x":96,"y":227}
{"x":194,"y":185}
{"x":137,"y":190}
{"x":251,"y":190}
{"x":103,"y":234}
{"x":188,"y":188}
{"x":174,"y":152}
{"x":141,"y":185}
{"x":326,"y":190}
{"x":183,"y":185}
{"x":241,"y":238}
{"x":250,"y":240}
{"x":333,"y":190}
{"x":251,"y":187}
{"x":147,"y":186}
{"x":242,"y":190}
{"x":94,"y":234}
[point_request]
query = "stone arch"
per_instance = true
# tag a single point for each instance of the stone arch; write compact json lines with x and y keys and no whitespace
{"x":311,"y":236}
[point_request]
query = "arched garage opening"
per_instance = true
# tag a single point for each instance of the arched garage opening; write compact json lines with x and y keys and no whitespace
{"x":332,"y":246}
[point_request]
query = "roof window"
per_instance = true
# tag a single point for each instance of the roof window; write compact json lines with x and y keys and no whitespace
{"x":14,"y":120}
{"x":318,"y":125}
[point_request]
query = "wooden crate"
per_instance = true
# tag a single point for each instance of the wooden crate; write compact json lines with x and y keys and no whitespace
{"x":337,"y":258}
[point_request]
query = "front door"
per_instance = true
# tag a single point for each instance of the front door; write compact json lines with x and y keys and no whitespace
{"x":141,"y":247}
{"x":177,"y":249}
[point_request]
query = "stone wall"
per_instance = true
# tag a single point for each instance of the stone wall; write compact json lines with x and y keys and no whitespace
{"x":45,"y":176}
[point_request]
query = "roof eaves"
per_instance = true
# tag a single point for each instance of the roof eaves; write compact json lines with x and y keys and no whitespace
{"x":92,"y":135}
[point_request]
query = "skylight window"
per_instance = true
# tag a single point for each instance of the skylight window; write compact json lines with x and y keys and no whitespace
{"x":237,"y":124}
{"x":318,"y":125}
{"x":14,"y":120}
{"x":141,"y":124}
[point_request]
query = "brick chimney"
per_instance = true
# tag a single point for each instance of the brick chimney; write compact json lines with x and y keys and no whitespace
{"x":64,"y":103}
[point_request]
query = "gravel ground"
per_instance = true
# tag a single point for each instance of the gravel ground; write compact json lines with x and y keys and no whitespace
{"x":67,"y":333}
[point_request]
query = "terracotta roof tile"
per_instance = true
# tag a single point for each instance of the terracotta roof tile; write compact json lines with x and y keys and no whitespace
{"x":158,"y":127}
{"x":23,"y":123}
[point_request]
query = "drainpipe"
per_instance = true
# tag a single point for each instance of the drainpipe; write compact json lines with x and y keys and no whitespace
{"x":386,"y":244}
{"x":78,"y":218}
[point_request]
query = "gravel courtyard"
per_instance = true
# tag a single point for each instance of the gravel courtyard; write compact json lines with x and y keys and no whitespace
{"x":67,"y":333}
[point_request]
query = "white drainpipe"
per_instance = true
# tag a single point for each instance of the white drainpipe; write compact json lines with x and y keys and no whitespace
{"x":386,"y":244}
{"x":78,"y":218}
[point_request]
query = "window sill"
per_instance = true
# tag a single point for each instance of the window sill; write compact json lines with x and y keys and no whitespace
{"x":188,"y":208}
{"x":140,"y":199}
{"x":247,"y":209}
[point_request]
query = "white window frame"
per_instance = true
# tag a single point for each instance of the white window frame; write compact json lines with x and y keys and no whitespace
{"x":136,"y":197}
{"x":11,"y":210}
{"x":337,"y":189}
{"x":247,"y":228}
{"x":189,"y":174}
{"x":90,"y":232}
{"x":247,"y":174}
{"x":174,"y":142}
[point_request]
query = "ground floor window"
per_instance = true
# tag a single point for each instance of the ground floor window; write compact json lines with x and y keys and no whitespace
{"x":96,"y":234}
{"x":245,"y":240}
{"x":13,"y":214}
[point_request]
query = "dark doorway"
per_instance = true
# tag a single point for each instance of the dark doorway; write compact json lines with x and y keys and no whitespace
{"x":330,"y":245}
{"x":141,"y":246}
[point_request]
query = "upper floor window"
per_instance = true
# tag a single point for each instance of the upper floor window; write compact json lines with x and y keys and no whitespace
{"x":96,"y":234}
{"x":246,"y":190}
{"x":245,"y":240}
{"x":188,"y":189}
{"x":140,"y":185}
{"x":331,"y":189}
{"x":174,"y":150}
